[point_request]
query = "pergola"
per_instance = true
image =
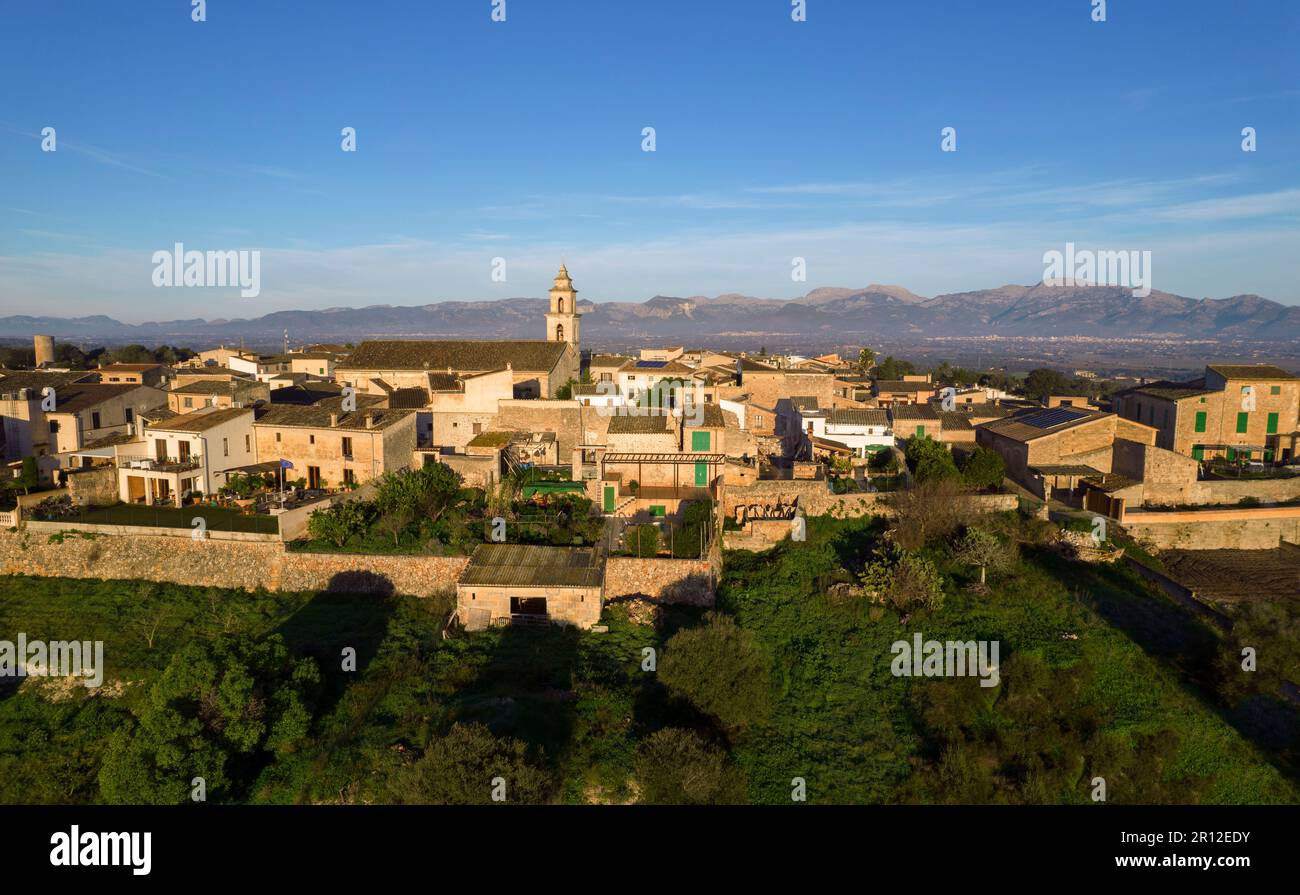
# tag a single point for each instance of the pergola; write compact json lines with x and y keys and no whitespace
{"x":676,"y":459}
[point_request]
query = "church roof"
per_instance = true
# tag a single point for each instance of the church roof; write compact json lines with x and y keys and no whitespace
{"x":524,"y":356}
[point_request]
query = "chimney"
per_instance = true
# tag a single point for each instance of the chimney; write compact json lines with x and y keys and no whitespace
{"x":370,"y":420}
{"x":334,"y":420}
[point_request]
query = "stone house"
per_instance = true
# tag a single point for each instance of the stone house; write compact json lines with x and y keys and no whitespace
{"x":518,"y":583}
{"x":1235,"y":410}
{"x":331,"y":447}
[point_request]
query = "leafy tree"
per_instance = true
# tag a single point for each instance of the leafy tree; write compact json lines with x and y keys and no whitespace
{"x":220,"y":710}
{"x":337,"y":524}
{"x":930,"y":461}
{"x":690,"y":535}
{"x":866,"y":359}
{"x":565,"y":392}
{"x":984,"y":549}
{"x":905,"y":580}
{"x":893,"y":368}
{"x":721,"y":669}
{"x":460,"y":767}
{"x":1043,"y":382}
{"x":394,"y":522}
{"x":27,"y":478}
{"x":679,"y":767}
{"x":430,"y":491}
{"x":984,"y":468}
{"x":641,"y":540}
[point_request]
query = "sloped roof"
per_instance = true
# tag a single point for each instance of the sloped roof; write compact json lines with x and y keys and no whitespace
{"x":527,"y":565}
{"x":1170,"y":391}
{"x":913,"y":412}
{"x":638,"y":424}
{"x":704,"y":416}
{"x":1251,"y":371}
{"x":202,"y":420}
{"x":1039,"y":423}
{"x":79,"y":396}
{"x":525,"y":356}
{"x":317,"y":416}
{"x":858,"y":418}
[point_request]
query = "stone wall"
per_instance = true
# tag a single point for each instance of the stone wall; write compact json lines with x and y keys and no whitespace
{"x":689,"y":581}
{"x":215,"y":563}
{"x":1245,"y":529}
{"x":93,"y":486}
{"x":815,"y":499}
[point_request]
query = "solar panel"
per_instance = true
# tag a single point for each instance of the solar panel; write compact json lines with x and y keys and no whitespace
{"x":1046,"y":419}
{"x":652,"y":364}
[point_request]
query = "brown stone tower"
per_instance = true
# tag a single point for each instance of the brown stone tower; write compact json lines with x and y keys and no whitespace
{"x":562,"y":321}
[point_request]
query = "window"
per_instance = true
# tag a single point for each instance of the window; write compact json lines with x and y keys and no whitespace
{"x":94,"y":421}
{"x":347,"y":446}
{"x":478,"y":428}
{"x":311,"y":439}
{"x":349,"y":477}
{"x":277,"y":437}
{"x":1198,"y":452}
{"x":1200,"y":421}
{"x":700,"y":441}
{"x":54,"y":427}
{"x":130,"y":415}
{"x":225,"y":447}
{"x":1272,"y":424}
{"x":920,"y":431}
{"x":248,"y":443}
{"x":1275,"y":389}
{"x":1243,"y":421}
{"x":189,"y":402}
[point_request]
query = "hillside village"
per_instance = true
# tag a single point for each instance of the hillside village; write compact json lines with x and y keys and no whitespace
{"x":257,"y":445}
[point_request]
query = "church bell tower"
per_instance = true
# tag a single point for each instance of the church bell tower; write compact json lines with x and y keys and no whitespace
{"x":562,"y":321}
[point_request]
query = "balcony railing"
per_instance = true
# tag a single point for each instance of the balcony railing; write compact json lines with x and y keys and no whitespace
{"x":169,"y":464}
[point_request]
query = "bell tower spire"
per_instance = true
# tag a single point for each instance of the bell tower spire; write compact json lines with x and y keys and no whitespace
{"x":562,"y":321}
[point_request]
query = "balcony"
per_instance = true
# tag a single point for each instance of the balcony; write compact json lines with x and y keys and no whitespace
{"x":169,"y":464}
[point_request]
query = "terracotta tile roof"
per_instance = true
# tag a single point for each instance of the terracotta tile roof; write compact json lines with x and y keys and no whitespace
{"x":79,"y":396}
{"x":901,"y":385}
{"x":913,"y":412}
{"x":317,"y":416}
{"x":638,"y":424}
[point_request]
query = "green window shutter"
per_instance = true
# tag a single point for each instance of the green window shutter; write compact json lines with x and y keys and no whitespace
{"x":1198,"y":452}
{"x":701,"y":474}
{"x":609,"y":498}
{"x":1272,"y":424}
{"x":656,"y":510}
{"x":699,"y":441}
{"x":1200,"y":421}
{"x":920,"y":431}
{"x":1243,"y":421}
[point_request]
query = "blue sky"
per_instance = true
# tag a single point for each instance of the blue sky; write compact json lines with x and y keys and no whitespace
{"x":522,"y":140}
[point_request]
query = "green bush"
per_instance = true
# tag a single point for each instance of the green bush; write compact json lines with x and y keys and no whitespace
{"x":641,"y":540}
{"x":984,"y":468}
{"x":466,"y":766}
{"x":679,"y":767}
{"x":720,"y":669}
{"x":930,"y":461}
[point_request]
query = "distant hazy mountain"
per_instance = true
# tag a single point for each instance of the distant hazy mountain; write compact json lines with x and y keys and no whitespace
{"x":833,"y":315}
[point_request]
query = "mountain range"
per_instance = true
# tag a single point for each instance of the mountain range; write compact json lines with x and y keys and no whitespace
{"x":831,"y":316}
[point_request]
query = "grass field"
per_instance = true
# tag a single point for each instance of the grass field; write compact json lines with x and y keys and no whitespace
{"x":1100,"y":677}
